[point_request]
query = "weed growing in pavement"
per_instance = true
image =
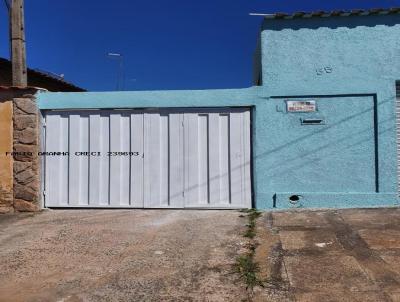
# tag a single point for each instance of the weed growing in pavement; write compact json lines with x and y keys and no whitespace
{"x":245,"y":265}
{"x":251,"y":226}
{"x":248,"y":269}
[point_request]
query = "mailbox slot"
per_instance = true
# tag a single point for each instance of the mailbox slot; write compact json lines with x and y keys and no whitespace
{"x":312,"y":121}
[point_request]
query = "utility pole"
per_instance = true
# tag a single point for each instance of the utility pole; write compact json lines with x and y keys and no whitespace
{"x":17,"y":40}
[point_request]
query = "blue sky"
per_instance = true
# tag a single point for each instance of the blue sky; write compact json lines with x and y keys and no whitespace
{"x":173,"y":44}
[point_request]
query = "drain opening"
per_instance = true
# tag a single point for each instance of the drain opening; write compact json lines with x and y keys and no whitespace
{"x":294,"y":198}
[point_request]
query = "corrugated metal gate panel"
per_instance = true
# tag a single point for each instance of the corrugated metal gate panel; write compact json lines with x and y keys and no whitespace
{"x":163,"y":160}
{"x":217,"y":159}
{"x":183,"y":158}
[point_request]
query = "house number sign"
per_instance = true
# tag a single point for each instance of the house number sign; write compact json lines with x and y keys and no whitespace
{"x":301,"y":106}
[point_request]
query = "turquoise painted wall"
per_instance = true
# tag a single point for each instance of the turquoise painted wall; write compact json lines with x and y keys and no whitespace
{"x":349,"y":66}
{"x":329,"y":60}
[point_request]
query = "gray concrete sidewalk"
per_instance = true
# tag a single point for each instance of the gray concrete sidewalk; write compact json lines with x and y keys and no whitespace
{"x":344,"y":255}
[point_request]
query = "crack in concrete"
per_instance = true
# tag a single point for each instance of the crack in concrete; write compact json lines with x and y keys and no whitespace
{"x":374,"y":266}
{"x":277,"y":262}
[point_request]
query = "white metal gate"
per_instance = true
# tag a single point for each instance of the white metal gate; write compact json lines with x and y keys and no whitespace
{"x":165,"y":158}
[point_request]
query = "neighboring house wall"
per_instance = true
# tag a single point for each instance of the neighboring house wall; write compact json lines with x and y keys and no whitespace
{"x":6,"y":161}
{"x":398,"y":132}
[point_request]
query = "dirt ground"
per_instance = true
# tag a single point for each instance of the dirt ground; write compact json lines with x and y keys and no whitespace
{"x":120,"y":255}
{"x":182,"y":255}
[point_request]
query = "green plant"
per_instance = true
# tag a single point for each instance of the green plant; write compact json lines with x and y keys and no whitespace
{"x":245,"y":265}
{"x":248,"y":269}
{"x":251,"y":226}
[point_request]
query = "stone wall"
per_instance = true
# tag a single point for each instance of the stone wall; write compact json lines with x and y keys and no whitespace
{"x":26,"y":160}
{"x":19,"y":147}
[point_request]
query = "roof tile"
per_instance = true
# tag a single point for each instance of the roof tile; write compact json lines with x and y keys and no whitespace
{"x":335,"y":13}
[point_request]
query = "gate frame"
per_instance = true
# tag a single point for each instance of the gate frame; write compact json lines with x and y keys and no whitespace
{"x":42,"y":130}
